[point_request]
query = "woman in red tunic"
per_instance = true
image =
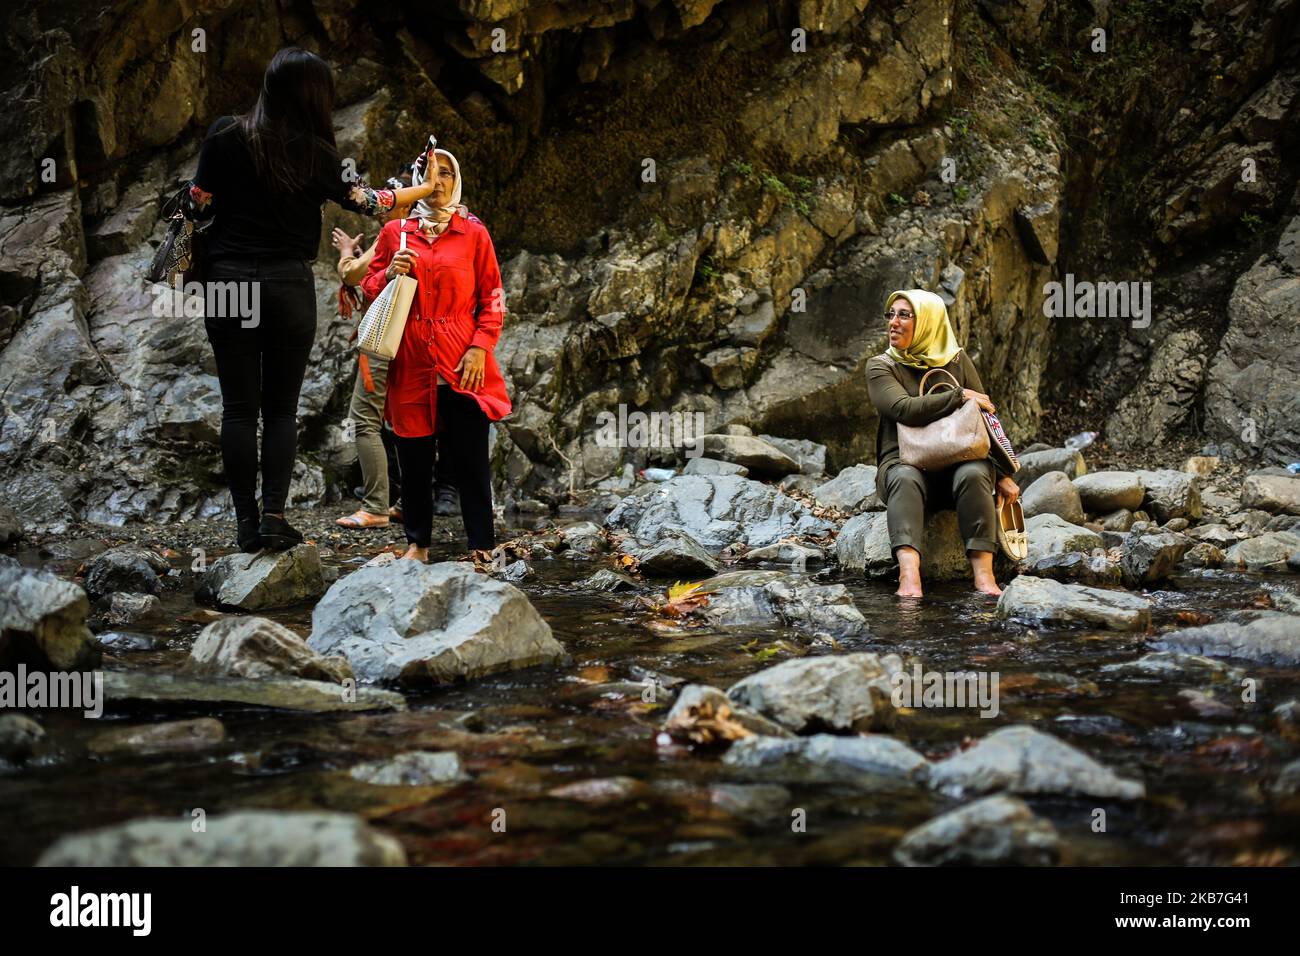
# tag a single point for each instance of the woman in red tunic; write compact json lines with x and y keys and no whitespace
{"x":444,"y":378}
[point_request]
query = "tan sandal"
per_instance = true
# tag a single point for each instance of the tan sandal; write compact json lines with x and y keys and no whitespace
{"x":363,"y":519}
{"x":1012,"y":537}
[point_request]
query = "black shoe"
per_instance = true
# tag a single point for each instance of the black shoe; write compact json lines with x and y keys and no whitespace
{"x":277,"y":534}
{"x":446,"y":501}
{"x":248,"y":536}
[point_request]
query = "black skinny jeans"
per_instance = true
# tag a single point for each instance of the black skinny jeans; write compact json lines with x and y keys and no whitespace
{"x":461,"y":440}
{"x":261,"y":359}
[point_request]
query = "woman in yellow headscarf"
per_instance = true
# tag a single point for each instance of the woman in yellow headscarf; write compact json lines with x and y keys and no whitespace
{"x":920,"y":339}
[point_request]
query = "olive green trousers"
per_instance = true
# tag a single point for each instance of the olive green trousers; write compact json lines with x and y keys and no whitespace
{"x":968,"y":487}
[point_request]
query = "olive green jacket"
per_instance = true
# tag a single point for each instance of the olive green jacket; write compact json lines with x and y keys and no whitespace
{"x":893,"y":389}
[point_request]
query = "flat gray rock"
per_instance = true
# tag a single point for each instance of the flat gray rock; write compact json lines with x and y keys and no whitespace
{"x":267,"y":579}
{"x":1052,"y":534}
{"x":416,"y":768}
{"x":1103,"y":492}
{"x":712,"y":466}
{"x":1266,"y":552}
{"x":995,"y":831}
{"x":1031,"y":600}
{"x":285,"y":693}
{"x":829,"y":758}
{"x":1277,"y":494}
{"x":842,"y":693}
{"x":762,"y":458}
{"x":256,"y":647}
{"x":1269,"y":639}
{"x":745,"y":598}
{"x":852,"y":490}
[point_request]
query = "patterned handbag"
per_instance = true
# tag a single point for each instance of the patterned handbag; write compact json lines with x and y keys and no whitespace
{"x":380,"y":333}
{"x":181,"y":253}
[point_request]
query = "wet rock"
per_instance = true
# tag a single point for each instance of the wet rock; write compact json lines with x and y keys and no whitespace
{"x":762,"y":458}
{"x":258,"y":582}
{"x":1148,"y":558}
{"x":584,"y":538}
{"x":1102,"y":492}
{"x":430,"y":623}
{"x":1053,"y":494}
{"x":127,"y":641}
{"x":1277,"y":494}
{"x":1051,"y":534}
{"x":863,"y":545}
{"x":716,"y":511}
{"x":807,"y":454}
{"x":607,"y":580}
{"x":696,"y":699}
{"x":995,"y":831}
{"x":1174,"y":665}
{"x":126,"y":609}
{"x":43,"y":621}
{"x":1020,"y":759}
{"x":180,"y":736}
{"x":1204,"y":555}
{"x":867,"y":762}
{"x":1270,"y":639}
{"x":675,"y":555}
{"x":1035,"y":464}
{"x":283,"y":693}
{"x":1267,"y":552}
{"x":1032,"y":600}
{"x":1171,"y":494}
{"x":786,"y":552}
{"x":602,"y":791}
{"x":743,"y":598}
{"x":845,"y":693}
{"x":756,"y":802}
{"x":20,"y":737}
{"x":256,"y":647}
{"x":1205,"y":705}
{"x":712,"y":466}
{"x":852,"y":490}
{"x":125,"y":569}
{"x":245,"y":838}
{"x":1076,"y":567}
{"x":416,"y":768}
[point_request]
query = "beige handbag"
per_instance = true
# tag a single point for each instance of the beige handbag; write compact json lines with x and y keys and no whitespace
{"x":957,"y":437}
{"x":380,"y":333}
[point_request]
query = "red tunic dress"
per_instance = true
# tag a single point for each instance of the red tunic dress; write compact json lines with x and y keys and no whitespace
{"x":459,"y":302}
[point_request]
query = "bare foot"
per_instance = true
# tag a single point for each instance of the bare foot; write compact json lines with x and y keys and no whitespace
{"x":909,"y":591}
{"x":989,"y":587}
{"x":416,"y":553}
{"x":981,"y":566}
{"x":909,"y":572}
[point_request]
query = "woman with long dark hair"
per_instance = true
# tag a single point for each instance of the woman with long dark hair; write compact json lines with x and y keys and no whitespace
{"x":262,"y":178}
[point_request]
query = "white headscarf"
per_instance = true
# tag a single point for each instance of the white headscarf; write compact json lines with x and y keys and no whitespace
{"x":433,"y":217}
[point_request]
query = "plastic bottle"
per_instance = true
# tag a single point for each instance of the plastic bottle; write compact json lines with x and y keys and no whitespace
{"x":658,"y":474}
{"x":1080,"y":441}
{"x":1294,"y":467}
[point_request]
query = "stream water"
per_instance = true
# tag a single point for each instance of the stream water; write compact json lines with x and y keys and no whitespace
{"x":525,"y":733}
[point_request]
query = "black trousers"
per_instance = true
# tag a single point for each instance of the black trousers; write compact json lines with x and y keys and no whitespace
{"x":461,"y":443}
{"x":261,"y":355}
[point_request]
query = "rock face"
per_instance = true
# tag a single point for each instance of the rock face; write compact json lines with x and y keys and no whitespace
{"x":1032,"y":600}
{"x":863,"y":545}
{"x":255,"y":647}
{"x":268,"y":579}
{"x":1053,"y":494}
{"x":1103,"y":492}
{"x":746,"y":598}
{"x":417,"y":624}
{"x":716,"y":511}
{"x":43,"y":621}
{"x":1020,"y":759}
{"x":1277,"y":494}
{"x":1270,"y":639}
{"x":994,"y":831}
{"x":846,"y":693}
{"x":868,"y":762}
{"x":247,"y":838}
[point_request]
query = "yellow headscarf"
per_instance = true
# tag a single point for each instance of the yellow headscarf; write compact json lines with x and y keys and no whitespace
{"x":933,"y":342}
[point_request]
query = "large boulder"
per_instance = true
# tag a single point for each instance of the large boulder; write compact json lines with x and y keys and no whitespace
{"x":715,"y":510}
{"x":257,"y":647}
{"x":863,"y":545}
{"x":1035,"y":464}
{"x":1051,"y":534}
{"x":1032,"y":600}
{"x":1269,"y":639}
{"x":1274,"y":493}
{"x":1171,"y":494}
{"x":748,"y":598}
{"x":762,"y":458}
{"x":267,"y":579}
{"x":1020,"y":759}
{"x":245,"y":838}
{"x":130,"y":569}
{"x":1103,"y":492}
{"x":852,"y":490}
{"x":675,"y":554}
{"x":43,"y":621}
{"x":846,"y":693}
{"x":1053,"y":494}
{"x":430,"y":623}
{"x":994,"y":831}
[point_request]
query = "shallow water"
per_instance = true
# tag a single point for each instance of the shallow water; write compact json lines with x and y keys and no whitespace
{"x":525,"y":733}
